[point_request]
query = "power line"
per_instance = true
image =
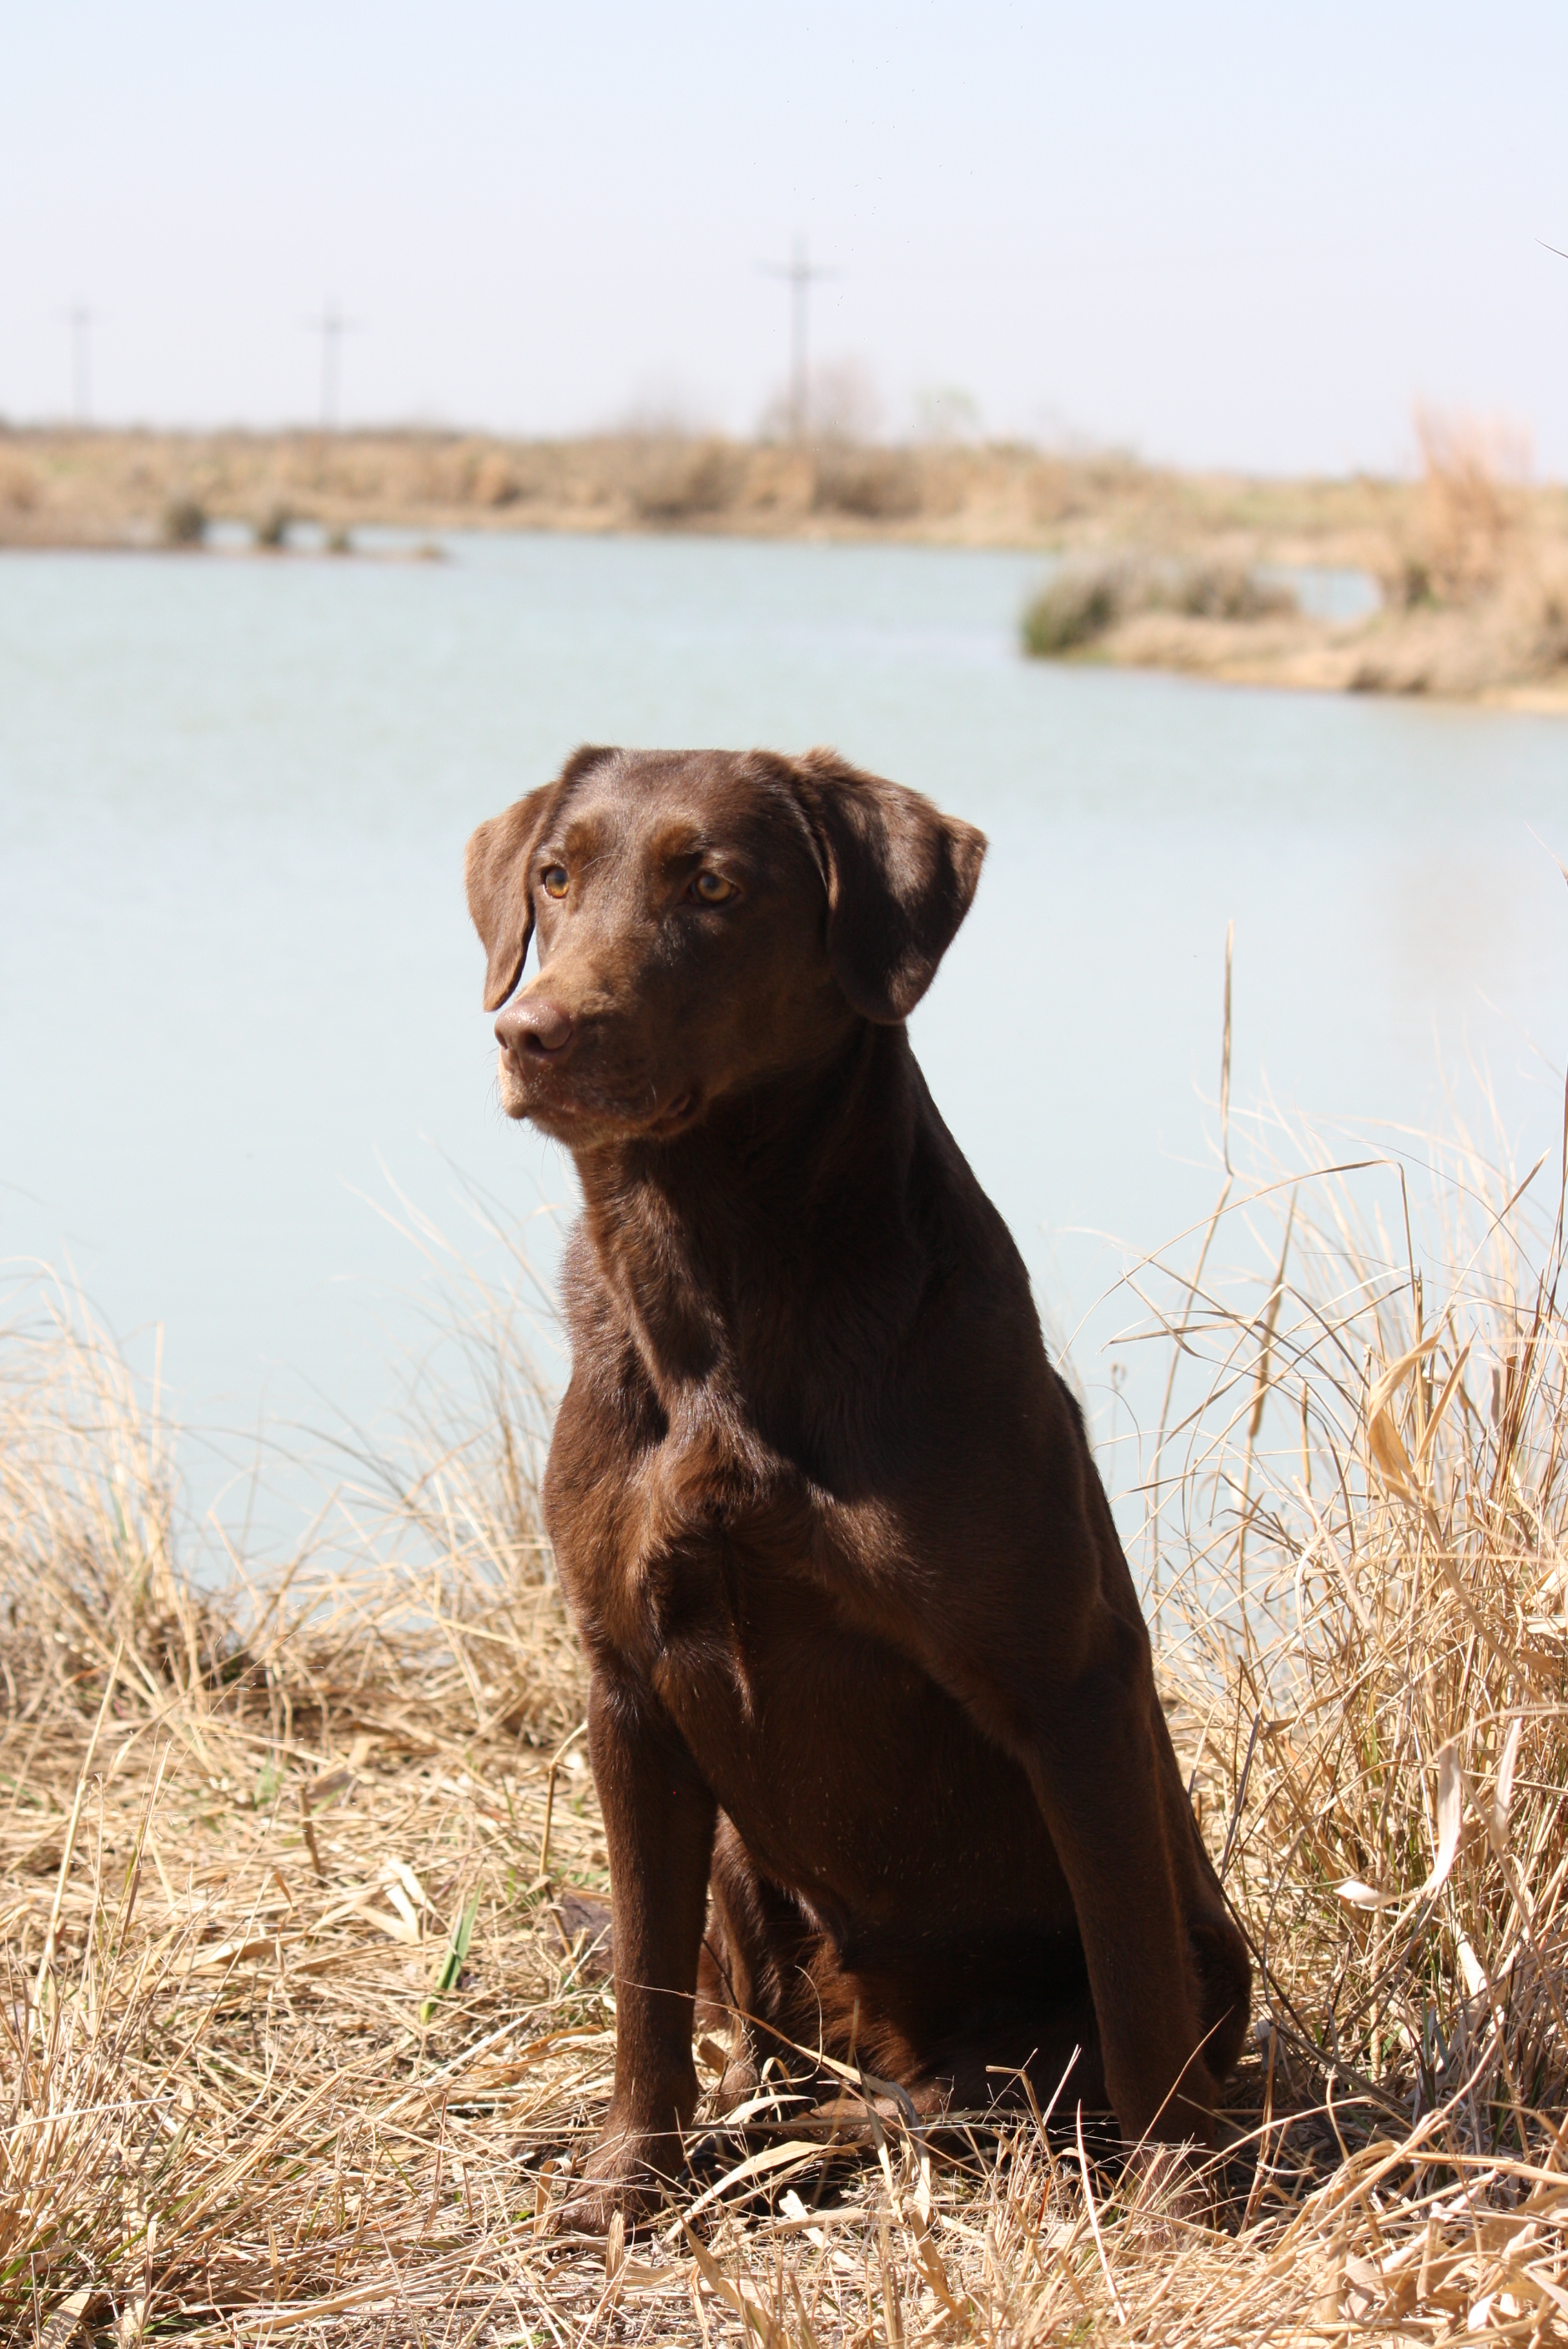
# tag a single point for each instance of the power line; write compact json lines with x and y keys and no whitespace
{"x":332,"y":325}
{"x":799,"y":274}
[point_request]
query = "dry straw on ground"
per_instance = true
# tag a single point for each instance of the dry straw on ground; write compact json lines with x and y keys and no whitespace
{"x":298,"y":2033}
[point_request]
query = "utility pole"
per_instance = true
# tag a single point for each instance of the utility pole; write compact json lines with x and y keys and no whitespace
{"x":332,"y":325}
{"x":81,"y":319}
{"x":799,"y":275}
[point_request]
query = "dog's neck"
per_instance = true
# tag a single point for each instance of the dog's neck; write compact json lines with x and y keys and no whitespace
{"x":798,"y":1202}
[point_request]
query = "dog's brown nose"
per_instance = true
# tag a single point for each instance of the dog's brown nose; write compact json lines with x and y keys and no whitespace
{"x":533,"y":1025}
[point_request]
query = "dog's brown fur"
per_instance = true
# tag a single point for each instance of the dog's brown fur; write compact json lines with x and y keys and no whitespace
{"x":868,"y":1667}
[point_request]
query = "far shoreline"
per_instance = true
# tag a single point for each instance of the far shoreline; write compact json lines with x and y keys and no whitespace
{"x":1473,"y":570}
{"x":105,"y":486}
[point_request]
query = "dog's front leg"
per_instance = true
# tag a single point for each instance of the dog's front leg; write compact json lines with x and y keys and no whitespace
{"x":1091,"y":1753}
{"x":660,"y":1822}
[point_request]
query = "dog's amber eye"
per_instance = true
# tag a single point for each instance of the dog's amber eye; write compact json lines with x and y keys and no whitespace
{"x":554,"y":879}
{"x":712,"y":888}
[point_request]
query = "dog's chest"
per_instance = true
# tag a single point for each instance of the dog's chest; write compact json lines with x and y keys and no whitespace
{"x":687,"y":1513}
{"x":712,"y":1531}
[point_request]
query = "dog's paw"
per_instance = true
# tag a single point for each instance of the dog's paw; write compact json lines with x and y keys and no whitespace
{"x":594,"y":2205}
{"x":627,"y":2176}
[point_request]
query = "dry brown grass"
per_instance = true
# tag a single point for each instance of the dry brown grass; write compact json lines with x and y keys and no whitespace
{"x":255,"y":2085}
{"x":1474,"y":568}
{"x":1470,"y":508}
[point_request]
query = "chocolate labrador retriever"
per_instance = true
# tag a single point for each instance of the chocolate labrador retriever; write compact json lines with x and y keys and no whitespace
{"x":868,"y":1668}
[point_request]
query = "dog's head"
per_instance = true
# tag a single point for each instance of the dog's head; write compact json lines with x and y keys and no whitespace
{"x":705,"y":920}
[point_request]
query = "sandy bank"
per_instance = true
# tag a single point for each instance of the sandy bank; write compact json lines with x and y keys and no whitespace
{"x":1473,"y":604}
{"x":1506,"y":656}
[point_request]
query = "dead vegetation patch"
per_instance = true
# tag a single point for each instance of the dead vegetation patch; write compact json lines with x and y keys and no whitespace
{"x":873,"y":484}
{"x":681,"y":480}
{"x":1473,"y":574}
{"x":299,"y":2031}
{"x":1090,"y":598}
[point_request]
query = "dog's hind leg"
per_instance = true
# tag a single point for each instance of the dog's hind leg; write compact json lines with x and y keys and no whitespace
{"x":761,"y":1963}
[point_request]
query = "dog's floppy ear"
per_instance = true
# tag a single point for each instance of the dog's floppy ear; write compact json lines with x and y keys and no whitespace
{"x":495,"y":871}
{"x":900,"y":878}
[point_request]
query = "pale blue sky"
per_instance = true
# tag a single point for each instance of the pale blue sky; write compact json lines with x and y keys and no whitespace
{"x":1216,"y":233}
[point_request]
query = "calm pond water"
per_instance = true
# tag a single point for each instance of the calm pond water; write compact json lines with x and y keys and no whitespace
{"x":239,"y":995}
